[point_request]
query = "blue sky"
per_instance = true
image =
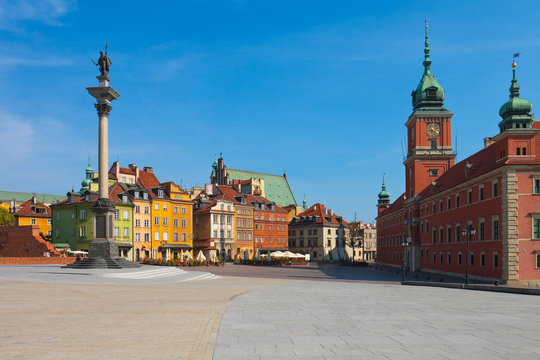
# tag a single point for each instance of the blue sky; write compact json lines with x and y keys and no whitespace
{"x":318,"y":89}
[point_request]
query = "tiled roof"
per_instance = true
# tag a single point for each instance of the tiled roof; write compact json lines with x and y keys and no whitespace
{"x":276,"y":188}
{"x":259,"y":199}
{"x":23,"y":196}
{"x":126,"y":171}
{"x":147,"y":179}
{"x":320,"y":214}
{"x":25,"y":209}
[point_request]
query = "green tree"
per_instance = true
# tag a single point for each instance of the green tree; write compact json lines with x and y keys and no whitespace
{"x":6,"y":219}
{"x":356,"y":237}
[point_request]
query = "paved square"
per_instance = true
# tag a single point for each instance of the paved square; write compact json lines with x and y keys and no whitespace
{"x":165,"y":313}
{"x":323,"y":320}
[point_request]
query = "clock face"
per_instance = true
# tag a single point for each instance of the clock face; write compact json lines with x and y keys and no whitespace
{"x":433,"y":129}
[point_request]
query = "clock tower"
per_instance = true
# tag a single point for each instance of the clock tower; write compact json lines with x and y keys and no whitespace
{"x":429,"y":134}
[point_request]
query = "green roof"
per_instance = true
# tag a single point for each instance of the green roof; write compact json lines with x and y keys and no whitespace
{"x":276,"y":188}
{"x":22,"y":197}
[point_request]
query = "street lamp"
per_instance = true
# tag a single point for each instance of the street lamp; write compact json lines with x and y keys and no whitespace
{"x":404,"y":243}
{"x":469,"y":230}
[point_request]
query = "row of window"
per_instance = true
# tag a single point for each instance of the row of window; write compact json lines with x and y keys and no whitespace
{"x":244,"y":235}
{"x":244,"y":223}
{"x":271,"y":218}
{"x":448,"y":259}
{"x":280,"y":240}
{"x":455,"y":235}
{"x":221,"y":218}
{"x":221,"y":234}
{"x":315,"y":243}
{"x":157,"y":236}
{"x":270,"y":227}
{"x":165,"y":208}
{"x":34,"y":221}
{"x":244,"y":211}
{"x":314,"y":232}
{"x":165,"y":222}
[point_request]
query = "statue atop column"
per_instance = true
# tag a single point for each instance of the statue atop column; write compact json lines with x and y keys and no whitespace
{"x":103,"y":62}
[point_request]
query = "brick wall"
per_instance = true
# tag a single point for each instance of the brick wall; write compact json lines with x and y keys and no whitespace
{"x":35,"y":260}
{"x":23,"y":241}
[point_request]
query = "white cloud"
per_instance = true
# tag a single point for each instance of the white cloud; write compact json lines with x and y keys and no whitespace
{"x":16,"y":138}
{"x":47,"y":11}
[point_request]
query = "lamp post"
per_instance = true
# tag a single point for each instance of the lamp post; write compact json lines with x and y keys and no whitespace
{"x":404,"y":243}
{"x":469,"y":230}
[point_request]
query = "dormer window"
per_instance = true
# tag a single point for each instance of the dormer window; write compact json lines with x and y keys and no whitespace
{"x":433,"y":143}
{"x":124,"y":198}
{"x":432,"y":92}
{"x":136,"y":194}
{"x":160,"y":193}
{"x":145,"y":195}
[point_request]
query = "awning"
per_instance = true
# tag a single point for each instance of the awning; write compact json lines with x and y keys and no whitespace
{"x":176,"y":246}
{"x":271,"y":249}
{"x":61,"y":245}
{"x":124,"y":245}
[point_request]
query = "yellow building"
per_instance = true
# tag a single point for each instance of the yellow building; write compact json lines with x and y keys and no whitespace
{"x":34,"y":213}
{"x":181,"y":221}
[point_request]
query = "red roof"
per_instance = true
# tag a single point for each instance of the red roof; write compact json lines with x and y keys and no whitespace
{"x":323,"y":215}
{"x":26,"y":209}
{"x":126,"y":171}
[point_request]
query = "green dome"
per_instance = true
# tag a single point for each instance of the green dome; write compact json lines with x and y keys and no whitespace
{"x":86,"y":183}
{"x":515,"y":112}
{"x":429,"y":93}
{"x":384,"y":196}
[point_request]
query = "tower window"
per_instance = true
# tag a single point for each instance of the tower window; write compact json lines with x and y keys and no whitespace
{"x":523,"y":151}
{"x":432,"y":92}
{"x":433,"y":172}
{"x":518,"y":151}
{"x":433,"y":143}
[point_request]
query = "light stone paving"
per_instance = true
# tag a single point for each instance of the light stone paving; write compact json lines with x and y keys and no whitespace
{"x":324,"y":320}
{"x":90,"y":317}
{"x":146,"y":274}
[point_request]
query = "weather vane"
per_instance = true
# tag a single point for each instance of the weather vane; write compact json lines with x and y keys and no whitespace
{"x":516,"y":55}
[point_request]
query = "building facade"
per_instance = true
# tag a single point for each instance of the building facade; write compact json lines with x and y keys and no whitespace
{"x":321,"y":234}
{"x":478,"y":218}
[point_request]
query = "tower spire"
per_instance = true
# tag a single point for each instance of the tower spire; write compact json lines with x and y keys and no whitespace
{"x":516,"y":111}
{"x":427,"y":60}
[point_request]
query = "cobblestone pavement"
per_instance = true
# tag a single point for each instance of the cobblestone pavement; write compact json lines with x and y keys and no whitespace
{"x":324,"y":320}
{"x":175,"y":320}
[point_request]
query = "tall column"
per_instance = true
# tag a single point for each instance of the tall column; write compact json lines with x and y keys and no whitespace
{"x":103,"y":245}
{"x":103,"y":110}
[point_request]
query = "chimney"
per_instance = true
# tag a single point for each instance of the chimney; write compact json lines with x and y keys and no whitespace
{"x":488,"y":141}
{"x":136,"y":170}
{"x":208,"y":189}
{"x":34,"y":200}
{"x":149,"y":169}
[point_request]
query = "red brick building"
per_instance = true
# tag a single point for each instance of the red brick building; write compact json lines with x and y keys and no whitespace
{"x":495,"y":192}
{"x":270,"y":230}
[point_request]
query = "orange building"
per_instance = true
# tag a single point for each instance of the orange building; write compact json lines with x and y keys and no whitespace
{"x":271,"y":225}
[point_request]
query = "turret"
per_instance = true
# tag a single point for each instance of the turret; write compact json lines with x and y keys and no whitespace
{"x":384,"y":199}
{"x":515,"y":112}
